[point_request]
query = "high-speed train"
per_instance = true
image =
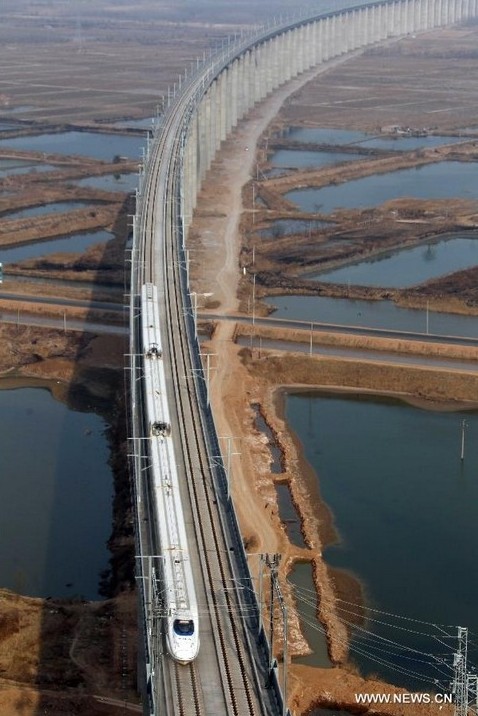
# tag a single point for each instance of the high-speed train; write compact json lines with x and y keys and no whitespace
{"x":177,"y":583}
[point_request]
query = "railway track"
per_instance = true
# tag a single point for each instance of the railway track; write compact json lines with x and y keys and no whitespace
{"x":225,"y":658}
{"x":188,"y":690}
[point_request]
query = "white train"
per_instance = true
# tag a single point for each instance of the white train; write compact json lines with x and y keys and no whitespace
{"x":177,"y":584}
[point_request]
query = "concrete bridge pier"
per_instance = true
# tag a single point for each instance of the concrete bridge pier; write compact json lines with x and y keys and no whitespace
{"x":222,"y":100}
{"x":247,"y":83}
{"x":233,"y":93}
{"x":212,"y":122}
{"x":241,"y":76}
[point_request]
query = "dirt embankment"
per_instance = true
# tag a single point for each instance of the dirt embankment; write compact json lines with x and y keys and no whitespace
{"x":338,"y":174}
{"x":86,"y":210}
{"x":282,"y":263}
{"x":392,"y":345}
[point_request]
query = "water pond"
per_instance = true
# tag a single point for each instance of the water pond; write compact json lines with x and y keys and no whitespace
{"x":443,"y":180}
{"x":405,"y":507}
{"x":56,"y":491}
{"x":408,"y":267}
{"x":296,"y":159}
{"x":376,"y":314}
{"x":76,"y":243}
{"x":20,"y":166}
{"x":306,"y":599}
{"x":337,"y":137}
{"x":282,"y":227}
{"x":53,"y":208}
{"x":111,"y":182}
{"x":91,"y":144}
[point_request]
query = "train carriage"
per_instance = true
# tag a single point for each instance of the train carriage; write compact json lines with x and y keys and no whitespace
{"x":177,"y":588}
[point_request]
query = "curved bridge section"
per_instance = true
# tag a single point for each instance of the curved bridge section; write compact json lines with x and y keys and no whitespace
{"x":234,"y":665}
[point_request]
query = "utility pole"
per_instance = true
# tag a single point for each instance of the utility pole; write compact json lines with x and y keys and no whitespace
{"x":194,"y":295}
{"x":472,"y":691}
{"x":273,"y":565}
{"x":207,"y":356}
{"x":463,"y":427}
{"x":253,"y":309}
{"x":261,"y":587}
{"x":284,"y":650}
{"x":228,"y":466}
{"x":253,"y":204}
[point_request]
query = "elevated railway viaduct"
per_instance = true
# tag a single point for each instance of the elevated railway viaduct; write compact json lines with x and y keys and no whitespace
{"x":234,"y":673}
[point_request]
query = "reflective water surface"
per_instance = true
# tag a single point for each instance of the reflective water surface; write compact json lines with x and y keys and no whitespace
{"x":409,"y":267}
{"x":76,"y":243}
{"x":56,"y":488}
{"x":23,"y":166}
{"x":326,"y":135}
{"x":443,"y":180}
{"x":376,"y":314}
{"x":53,"y":208}
{"x":405,"y":507}
{"x":305,"y":159}
{"x":92,"y":144}
{"x":111,"y":182}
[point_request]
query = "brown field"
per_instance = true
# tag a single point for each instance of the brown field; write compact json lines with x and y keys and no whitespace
{"x":74,"y":62}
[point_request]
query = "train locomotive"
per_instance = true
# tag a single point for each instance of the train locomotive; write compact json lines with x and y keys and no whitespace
{"x":177,"y":583}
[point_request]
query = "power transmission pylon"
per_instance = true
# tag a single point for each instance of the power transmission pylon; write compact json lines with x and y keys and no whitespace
{"x":472,"y":692}
{"x":275,"y":589}
{"x":460,"y":679}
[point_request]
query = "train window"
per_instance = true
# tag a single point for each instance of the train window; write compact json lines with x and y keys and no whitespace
{"x":183,"y":627}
